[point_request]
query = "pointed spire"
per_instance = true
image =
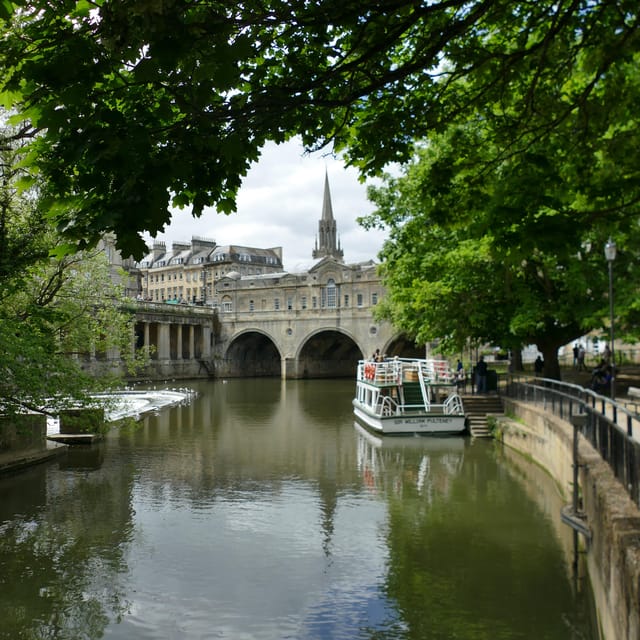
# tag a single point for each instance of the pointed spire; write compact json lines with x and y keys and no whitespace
{"x":327,"y":209}
{"x":327,"y":228}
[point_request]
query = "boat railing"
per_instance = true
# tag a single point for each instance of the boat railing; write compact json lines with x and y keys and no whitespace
{"x":387,"y":406}
{"x":453,"y":404}
{"x":387,"y":372}
{"x":398,"y":370}
{"x":424,"y":389}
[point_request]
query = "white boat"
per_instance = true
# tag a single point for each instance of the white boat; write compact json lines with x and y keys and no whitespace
{"x":408,"y":395}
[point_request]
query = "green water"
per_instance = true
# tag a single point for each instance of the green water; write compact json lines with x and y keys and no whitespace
{"x":260,"y":511}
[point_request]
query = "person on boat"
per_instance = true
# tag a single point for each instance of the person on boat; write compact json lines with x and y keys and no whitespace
{"x":461,"y":378}
{"x":481,"y":375}
{"x":377,"y":356}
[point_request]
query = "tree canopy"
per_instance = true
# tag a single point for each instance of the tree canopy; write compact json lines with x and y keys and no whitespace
{"x":54,"y":312}
{"x":139,"y":105}
{"x":506,"y":250}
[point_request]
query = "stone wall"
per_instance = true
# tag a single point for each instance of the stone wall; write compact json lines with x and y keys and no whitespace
{"x":22,"y":432}
{"x":613,"y":556}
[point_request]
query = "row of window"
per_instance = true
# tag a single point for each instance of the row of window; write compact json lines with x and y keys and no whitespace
{"x":191,"y":277}
{"x":327,"y":299}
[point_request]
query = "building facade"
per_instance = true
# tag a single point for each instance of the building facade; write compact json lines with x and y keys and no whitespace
{"x":187,"y":272}
{"x":328,"y":284}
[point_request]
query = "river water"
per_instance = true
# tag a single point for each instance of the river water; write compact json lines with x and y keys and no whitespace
{"x":260,"y":511}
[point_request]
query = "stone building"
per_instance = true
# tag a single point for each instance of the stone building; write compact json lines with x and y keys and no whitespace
{"x":124,"y":271}
{"x":329,"y":284}
{"x":187,"y":272}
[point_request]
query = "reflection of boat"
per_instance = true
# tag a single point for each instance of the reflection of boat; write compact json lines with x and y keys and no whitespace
{"x":427,"y":463}
{"x":408,"y":395}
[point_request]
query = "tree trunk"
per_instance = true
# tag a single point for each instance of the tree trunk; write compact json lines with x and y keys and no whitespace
{"x":551,"y":367}
{"x":516,"y":360}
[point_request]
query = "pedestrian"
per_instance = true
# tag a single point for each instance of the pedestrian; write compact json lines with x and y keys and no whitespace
{"x":481,"y":375}
{"x":581,"y":354}
{"x":606,"y":354}
{"x":576,"y":353}
{"x":538,"y":366}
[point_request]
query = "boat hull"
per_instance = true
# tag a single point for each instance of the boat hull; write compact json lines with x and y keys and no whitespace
{"x":422,"y":423}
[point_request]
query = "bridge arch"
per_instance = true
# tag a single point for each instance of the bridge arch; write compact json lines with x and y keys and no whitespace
{"x":402,"y":346}
{"x":251,"y":353}
{"x":328,"y":352}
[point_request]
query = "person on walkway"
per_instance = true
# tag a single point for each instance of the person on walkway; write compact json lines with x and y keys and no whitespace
{"x":538,"y":366}
{"x":581,"y":354}
{"x":481,"y":375}
{"x":576,"y":353}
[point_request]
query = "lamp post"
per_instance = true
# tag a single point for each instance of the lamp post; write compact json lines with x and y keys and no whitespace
{"x":610,"y":250}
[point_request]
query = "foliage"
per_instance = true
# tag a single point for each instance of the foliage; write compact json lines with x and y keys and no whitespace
{"x":54,"y":312}
{"x":501,"y":250}
{"x":66,"y":311}
{"x":143,"y":104}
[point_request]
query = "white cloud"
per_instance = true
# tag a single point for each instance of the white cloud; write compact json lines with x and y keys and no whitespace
{"x":280,"y":204}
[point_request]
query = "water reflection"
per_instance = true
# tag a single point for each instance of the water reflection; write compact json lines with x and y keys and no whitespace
{"x":262,"y":511}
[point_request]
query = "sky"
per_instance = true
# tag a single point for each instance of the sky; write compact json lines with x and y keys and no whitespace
{"x":280,"y":204}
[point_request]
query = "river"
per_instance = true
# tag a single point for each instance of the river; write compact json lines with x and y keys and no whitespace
{"x":260,"y":511}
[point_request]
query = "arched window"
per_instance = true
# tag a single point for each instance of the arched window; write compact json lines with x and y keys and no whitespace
{"x":331,"y":294}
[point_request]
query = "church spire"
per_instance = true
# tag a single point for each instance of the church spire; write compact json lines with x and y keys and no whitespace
{"x":326,"y":242}
{"x":327,"y":209}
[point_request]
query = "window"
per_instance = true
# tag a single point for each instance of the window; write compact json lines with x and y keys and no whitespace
{"x":374,"y":298}
{"x":359,"y":300}
{"x":346,"y":299}
{"x":330,"y":300}
{"x":303,"y":302}
{"x":251,"y":305}
{"x":289,"y":303}
{"x":276,"y":304}
{"x":314,"y":302}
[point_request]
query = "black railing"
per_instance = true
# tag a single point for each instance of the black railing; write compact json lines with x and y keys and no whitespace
{"x":608,"y":425}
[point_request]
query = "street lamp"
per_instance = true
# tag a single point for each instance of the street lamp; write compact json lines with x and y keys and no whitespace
{"x":610,"y":250}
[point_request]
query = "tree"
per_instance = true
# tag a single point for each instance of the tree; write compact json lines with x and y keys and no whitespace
{"x":53,"y":311}
{"x":505,"y":255}
{"x":142,"y":104}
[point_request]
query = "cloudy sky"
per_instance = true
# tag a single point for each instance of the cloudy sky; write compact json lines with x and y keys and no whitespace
{"x":280,"y":204}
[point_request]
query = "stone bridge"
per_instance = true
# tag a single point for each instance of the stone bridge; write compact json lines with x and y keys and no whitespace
{"x":186,"y":341}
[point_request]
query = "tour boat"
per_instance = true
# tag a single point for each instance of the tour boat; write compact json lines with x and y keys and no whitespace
{"x":408,"y":395}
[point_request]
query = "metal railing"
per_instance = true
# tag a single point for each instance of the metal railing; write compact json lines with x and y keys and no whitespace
{"x":608,"y":425}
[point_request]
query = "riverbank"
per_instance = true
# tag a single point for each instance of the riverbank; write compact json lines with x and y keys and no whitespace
{"x":14,"y":461}
{"x":37,"y":448}
{"x":613,"y":552}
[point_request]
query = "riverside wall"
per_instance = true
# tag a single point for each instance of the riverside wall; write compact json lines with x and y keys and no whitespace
{"x":613,"y":554}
